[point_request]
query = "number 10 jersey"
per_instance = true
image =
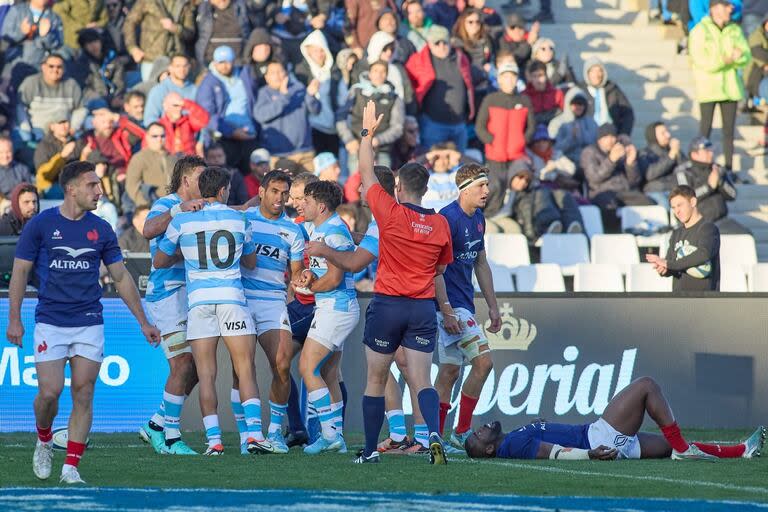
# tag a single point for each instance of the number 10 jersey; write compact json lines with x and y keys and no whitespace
{"x":212,"y":241}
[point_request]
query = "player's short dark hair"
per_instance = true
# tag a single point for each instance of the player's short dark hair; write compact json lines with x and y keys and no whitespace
{"x":414,"y":178}
{"x":386,"y":178}
{"x":326,"y":192}
{"x":305,"y":178}
{"x":276,"y":175}
{"x":212,"y":180}
{"x":682,"y":190}
{"x":73,"y":170}
{"x":536,"y":65}
{"x":185,"y":166}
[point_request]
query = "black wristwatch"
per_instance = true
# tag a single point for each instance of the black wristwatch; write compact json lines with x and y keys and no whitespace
{"x":364,"y":132}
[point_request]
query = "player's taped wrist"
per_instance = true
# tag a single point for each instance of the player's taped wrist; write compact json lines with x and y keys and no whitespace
{"x":562,"y":453}
{"x":175,"y":210}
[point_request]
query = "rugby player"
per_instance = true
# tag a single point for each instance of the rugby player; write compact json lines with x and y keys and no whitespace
{"x":301,"y":312}
{"x":214,"y":242}
{"x":367,"y":253}
{"x":166,"y":299}
{"x":336,"y":314}
{"x":460,"y":337}
{"x":615,"y":435}
{"x":279,"y":244}
{"x":414,"y":247}
{"x":66,"y":245}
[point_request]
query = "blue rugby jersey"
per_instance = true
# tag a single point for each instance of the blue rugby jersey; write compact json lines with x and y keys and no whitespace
{"x":67,"y":255}
{"x":467,"y":236}
{"x":212,"y":240}
{"x":336,"y":235}
{"x":524,"y":442}
{"x":163,"y":282}
{"x":278,"y":243}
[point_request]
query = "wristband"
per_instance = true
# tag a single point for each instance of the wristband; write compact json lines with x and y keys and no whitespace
{"x":563,"y":453}
{"x":364,"y":133}
{"x":175,"y":210}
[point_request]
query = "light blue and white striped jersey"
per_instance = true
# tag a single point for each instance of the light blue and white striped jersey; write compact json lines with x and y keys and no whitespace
{"x":212,"y":240}
{"x":441,"y":190}
{"x":163,"y":282}
{"x":370,"y":241}
{"x":278,"y":243}
{"x":336,"y":235}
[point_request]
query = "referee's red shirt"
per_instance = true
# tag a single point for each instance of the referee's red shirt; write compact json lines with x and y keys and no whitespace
{"x":413,"y":241}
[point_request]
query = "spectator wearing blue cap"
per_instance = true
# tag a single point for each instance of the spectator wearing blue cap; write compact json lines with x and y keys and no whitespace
{"x":283,"y":107}
{"x":228,"y":100}
{"x":327,"y":167}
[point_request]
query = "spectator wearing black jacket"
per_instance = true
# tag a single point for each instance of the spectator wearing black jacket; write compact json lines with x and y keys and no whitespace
{"x":98,"y":70}
{"x":711,"y":183}
{"x":513,"y":40}
{"x":659,"y":158}
{"x":607,"y":101}
{"x":220,"y":23}
{"x":693,"y":256}
{"x":259,"y":50}
{"x":612,"y":174}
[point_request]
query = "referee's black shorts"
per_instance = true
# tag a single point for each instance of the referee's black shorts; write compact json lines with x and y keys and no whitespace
{"x":394,"y":321}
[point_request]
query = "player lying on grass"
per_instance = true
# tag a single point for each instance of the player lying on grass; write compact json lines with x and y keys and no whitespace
{"x":615,"y":435}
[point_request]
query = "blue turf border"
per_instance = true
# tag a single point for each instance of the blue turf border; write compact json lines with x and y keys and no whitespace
{"x":52,"y":499}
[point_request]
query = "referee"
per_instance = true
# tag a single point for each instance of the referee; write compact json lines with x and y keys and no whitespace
{"x":414,"y":247}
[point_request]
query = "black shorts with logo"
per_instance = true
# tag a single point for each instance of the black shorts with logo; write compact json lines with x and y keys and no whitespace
{"x":394,"y":321}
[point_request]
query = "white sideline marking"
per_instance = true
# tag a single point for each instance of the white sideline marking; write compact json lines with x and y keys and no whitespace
{"x":550,"y":469}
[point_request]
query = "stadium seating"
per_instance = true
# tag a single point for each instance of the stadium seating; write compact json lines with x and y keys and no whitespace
{"x":758,"y":278}
{"x":544,"y":277}
{"x":509,"y":250}
{"x":593,"y":221}
{"x":738,"y":250}
{"x":565,"y":250}
{"x":644,"y":278}
{"x":598,"y":277}
{"x":732,"y":278}
{"x":502,"y":279}
{"x":615,"y":249}
{"x":644,"y":218}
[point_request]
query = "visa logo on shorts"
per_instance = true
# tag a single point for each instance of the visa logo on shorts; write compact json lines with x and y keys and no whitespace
{"x":235,"y":326}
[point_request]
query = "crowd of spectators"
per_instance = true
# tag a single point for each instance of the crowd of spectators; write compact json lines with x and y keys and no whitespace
{"x":253,"y":85}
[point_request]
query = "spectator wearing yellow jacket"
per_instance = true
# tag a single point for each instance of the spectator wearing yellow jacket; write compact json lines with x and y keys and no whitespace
{"x":718,"y":51}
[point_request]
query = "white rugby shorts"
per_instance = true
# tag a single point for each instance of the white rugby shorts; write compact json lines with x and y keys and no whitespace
{"x":214,"y":320}
{"x":456,"y":348}
{"x":602,"y":433}
{"x":53,"y":342}
{"x":170,"y":316}
{"x":269,"y":315}
{"x":331,"y":328}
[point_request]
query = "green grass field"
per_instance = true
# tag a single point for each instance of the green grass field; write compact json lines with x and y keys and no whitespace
{"x":122,"y":460}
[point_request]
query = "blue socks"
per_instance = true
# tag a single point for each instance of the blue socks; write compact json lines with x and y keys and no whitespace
{"x":295,"y":423}
{"x":429,"y":403}
{"x":343,"y":401}
{"x":373,"y":418}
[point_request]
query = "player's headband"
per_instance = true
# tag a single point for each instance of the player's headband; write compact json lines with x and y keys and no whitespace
{"x":474,"y":180}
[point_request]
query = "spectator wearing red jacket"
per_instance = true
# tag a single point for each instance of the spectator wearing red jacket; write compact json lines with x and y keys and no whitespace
{"x":183,"y":119}
{"x":112,"y":136}
{"x":505,"y":124}
{"x":442,"y":82}
{"x":547,"y":100}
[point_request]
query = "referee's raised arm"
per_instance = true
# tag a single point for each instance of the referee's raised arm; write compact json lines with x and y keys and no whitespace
{"x":366,"y":155}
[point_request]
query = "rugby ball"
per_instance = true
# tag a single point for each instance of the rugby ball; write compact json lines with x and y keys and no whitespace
{"x":700,"y":271}
{"x":60,"y":438}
